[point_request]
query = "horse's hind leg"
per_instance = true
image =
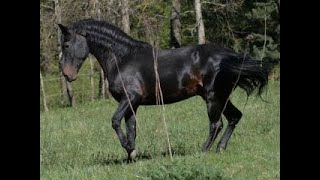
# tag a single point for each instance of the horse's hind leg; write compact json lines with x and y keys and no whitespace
{"x":233,"y":116}
{"x":215,"y":106}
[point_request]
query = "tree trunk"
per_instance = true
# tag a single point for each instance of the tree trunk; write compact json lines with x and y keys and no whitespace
{"x":102,"y":90}
{"x":90,"y":58}
{"x":71,"y":97}
{"x":200,"y":25}
{"x":91,"y":78}
{"x":278,"y":8}
{"x":43,"y":94}
{"x":66,"y":87}
{"x":125,"y":16}
{"x":63,"y":92}
{"x":175,"y":25}
{"x":96,"y":12}
{"x":57,"y":11}
{"x":103,"y":82}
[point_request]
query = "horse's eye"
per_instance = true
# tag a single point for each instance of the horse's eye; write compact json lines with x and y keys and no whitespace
{"x":66,"y":45}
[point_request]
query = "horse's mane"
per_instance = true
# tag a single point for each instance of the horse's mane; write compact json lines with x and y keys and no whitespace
{"x":105,"y":35}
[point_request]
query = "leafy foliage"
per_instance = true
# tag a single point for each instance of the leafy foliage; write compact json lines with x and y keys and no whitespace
{"x":227,"y":23}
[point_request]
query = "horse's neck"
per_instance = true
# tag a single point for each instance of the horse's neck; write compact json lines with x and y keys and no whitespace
{"x":104,"y":61}
{"x":110,"y":53}
{"x":107,"y":60}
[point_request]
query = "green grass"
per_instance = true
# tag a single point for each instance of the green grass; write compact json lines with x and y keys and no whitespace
{"x":79,"y":142}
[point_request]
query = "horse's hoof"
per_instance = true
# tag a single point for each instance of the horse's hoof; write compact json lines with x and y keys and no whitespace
{"x":133,"y":154}
{"x":220,"y":149}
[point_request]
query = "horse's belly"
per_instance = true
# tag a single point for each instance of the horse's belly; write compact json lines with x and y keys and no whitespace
{"x":172,"y":97}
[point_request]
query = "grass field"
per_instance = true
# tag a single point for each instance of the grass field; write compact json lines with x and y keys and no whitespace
{"x":79,"y":143}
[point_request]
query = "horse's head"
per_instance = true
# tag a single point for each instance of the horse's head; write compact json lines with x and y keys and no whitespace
{"x":74,"y":51}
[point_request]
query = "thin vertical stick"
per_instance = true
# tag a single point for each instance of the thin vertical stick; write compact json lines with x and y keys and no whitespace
{"x":159,"y":97}
{"x":43,"y":93}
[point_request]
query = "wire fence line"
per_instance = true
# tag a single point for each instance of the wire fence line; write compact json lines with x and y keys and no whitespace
{"x":54,"y":79}
{"x":52,"y":95}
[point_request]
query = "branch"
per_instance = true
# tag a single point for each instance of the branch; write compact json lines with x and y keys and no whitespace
{"x":46,"y":6}
{"x":213,"y":3}
{"x":161,"y":16}
{"x":186,"y":12}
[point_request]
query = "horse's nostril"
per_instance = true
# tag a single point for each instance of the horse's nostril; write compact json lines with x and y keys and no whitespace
{"x":66,"y":77}
{"x":70,"y":78}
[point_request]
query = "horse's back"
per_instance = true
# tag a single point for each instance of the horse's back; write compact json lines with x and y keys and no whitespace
{"x":179,"y":77}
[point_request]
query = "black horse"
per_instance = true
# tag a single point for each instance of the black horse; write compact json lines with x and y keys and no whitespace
{"x":205,"y":70}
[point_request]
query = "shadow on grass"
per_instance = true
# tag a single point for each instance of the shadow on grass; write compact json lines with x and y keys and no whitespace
{"x":175,"y":152}
{"x":100,"y":159}
{"x":103,"y":159}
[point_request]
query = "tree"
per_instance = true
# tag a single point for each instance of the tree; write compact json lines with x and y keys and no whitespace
{"x":164,"y":24}
{"x":66,"y":87}
{"x":96,"y":12}
{"x":278,"y":8}
{"x":125,"y":16}
{"x":200,"y":25}
{"x":175,"y":25}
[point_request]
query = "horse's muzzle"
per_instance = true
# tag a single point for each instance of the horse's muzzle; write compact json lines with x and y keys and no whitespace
{"x":69,"y":73}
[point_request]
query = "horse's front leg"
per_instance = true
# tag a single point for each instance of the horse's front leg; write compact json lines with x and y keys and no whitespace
{"x":124,"y":110}
{"x":131,"y":133}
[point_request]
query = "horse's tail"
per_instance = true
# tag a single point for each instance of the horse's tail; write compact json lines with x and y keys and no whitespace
{"x":249,"y":73}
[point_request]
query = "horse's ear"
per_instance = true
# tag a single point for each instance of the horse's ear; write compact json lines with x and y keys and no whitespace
{"x":64,"y":29}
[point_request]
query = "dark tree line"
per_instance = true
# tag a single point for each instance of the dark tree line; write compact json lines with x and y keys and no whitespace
{"x":236,"y":24}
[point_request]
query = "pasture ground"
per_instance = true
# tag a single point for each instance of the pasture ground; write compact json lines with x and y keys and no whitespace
{"x":79,"y":143}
